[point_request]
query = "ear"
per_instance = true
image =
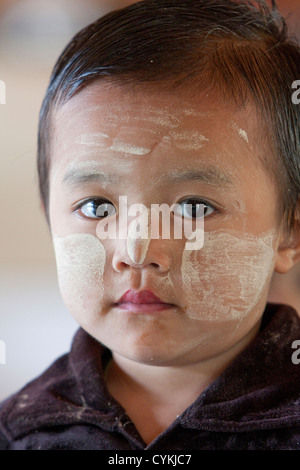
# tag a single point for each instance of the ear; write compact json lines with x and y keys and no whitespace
{"x":288,"y":252}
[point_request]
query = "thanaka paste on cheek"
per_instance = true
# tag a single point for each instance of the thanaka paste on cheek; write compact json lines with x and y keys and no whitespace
{"x":80,"y":261}
{"x":226,"y":278}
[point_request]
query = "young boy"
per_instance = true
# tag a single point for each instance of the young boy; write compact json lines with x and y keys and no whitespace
{"x":187,"y":106}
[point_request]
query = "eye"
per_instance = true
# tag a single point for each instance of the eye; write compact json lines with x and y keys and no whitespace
{"x":194,"y":208}
{"x":96,"y":208}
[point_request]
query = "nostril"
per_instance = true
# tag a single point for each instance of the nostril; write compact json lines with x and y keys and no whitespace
{"x":155,"y":265}
{"x":121,"y":266}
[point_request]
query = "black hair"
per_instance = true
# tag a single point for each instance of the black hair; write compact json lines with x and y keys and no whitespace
{"x":240,"y":48}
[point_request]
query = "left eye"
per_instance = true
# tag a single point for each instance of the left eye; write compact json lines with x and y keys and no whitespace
{"x":194,"y":208}
{"x":97,"y":208}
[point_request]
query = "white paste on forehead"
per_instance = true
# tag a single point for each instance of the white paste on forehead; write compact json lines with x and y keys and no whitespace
{"x":242,"y":133}
{"x":80,"y":261}
{"x":96,"y":139}
{"x":99,"y":139}
{"x":128,"y":148}
{"x":188,"y":140}
{"x":225,"y":279}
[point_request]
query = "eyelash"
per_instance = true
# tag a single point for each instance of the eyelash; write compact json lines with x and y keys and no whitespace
{"x":97,"y":201}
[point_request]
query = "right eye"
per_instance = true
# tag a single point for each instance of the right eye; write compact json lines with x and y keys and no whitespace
{"x":96,"y":208}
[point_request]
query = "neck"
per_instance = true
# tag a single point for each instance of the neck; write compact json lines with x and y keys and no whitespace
{"x":159,"y":379}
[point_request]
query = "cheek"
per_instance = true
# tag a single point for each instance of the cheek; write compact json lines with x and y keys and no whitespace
{"x":226,"y":279}
{"x":80,"y":261}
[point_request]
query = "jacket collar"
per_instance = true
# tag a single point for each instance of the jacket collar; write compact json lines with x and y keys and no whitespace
{"x":260,"y":388}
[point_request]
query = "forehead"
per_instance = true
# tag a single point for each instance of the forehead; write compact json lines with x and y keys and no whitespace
{"x":164,"y":129}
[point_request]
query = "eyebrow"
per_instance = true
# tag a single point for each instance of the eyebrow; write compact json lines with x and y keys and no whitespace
{"x":78,"y":176}
{"x":210,"y":175}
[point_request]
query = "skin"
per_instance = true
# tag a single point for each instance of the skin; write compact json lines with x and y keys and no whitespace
{"x":285,"y":289}
{"x":141,"y":138}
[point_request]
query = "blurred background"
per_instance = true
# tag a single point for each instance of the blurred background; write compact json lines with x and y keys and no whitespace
{"x":35,"y":327}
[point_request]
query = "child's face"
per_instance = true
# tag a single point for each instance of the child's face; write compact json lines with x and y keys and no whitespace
{"x":154,"y":149}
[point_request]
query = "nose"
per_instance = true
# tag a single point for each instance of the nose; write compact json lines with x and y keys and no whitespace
{"x":138,"y":250}
{"x":154,"y":258}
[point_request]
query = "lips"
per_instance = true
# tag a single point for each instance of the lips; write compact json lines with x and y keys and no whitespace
{"x":143,"y":302}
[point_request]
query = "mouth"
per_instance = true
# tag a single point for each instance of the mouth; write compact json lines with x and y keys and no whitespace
{"x":142,"y":302}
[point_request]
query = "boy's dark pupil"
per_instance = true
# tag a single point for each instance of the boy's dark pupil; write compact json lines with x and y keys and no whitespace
{"x":195,"y":207}
{"x":96,"y":206}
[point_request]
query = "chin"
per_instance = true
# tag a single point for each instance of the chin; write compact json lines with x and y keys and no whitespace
{"x":152,"y":354}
